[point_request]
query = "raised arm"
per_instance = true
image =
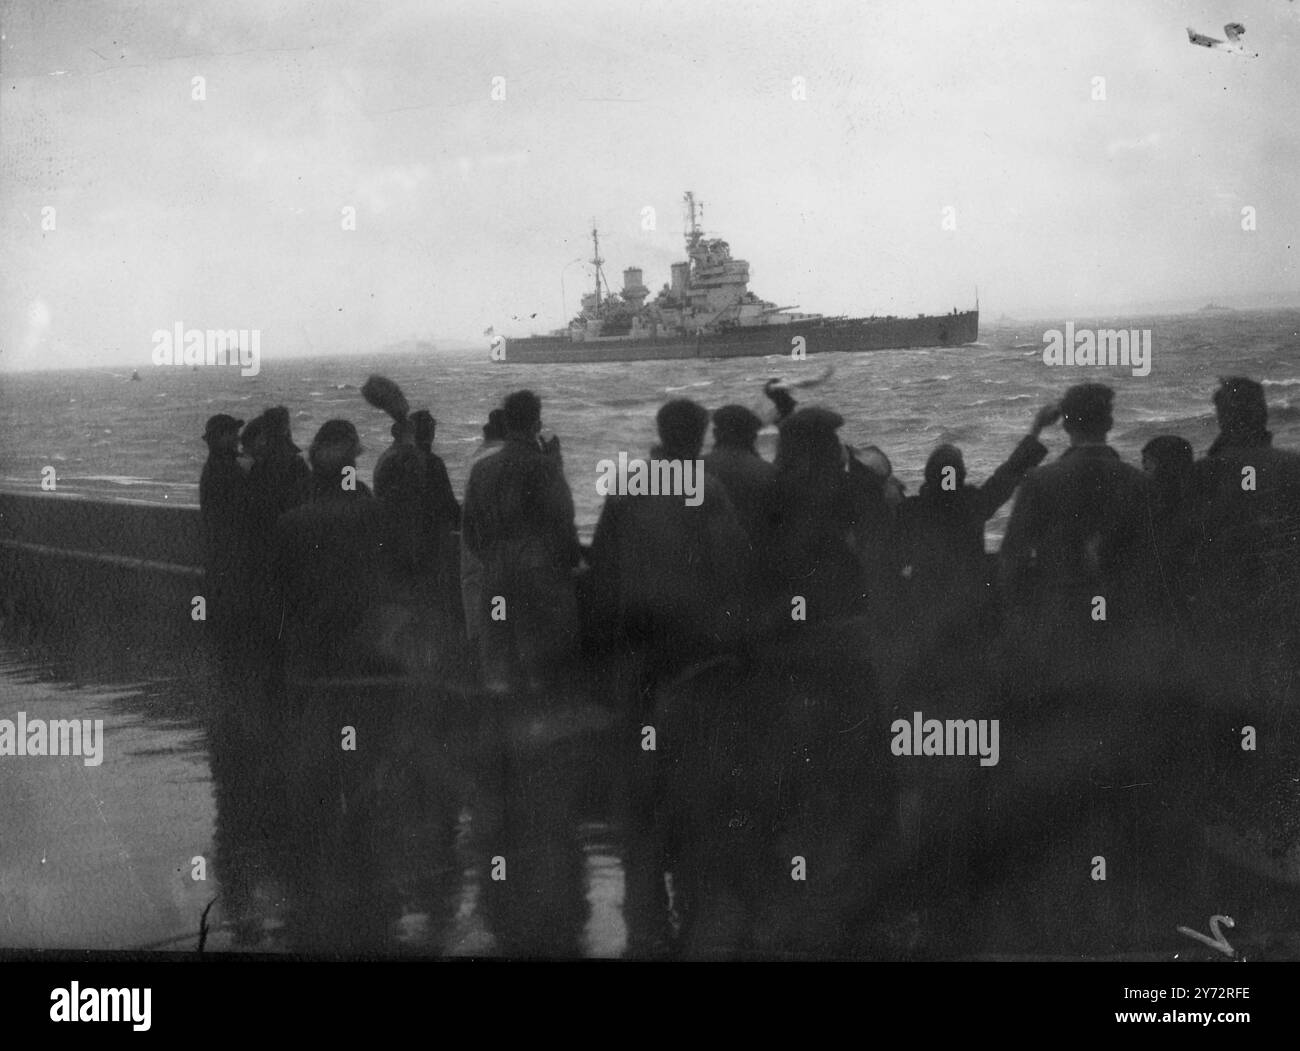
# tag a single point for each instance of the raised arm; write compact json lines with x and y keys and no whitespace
{"x":1024,"y":458}
{"x":1015,"y":557}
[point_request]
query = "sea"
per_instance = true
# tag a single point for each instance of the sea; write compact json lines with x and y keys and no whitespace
{"x":110,"y":437}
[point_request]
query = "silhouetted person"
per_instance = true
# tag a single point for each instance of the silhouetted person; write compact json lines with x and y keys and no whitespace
{"x":941,"y":529}
{"x":471,"y":567}
{"x":1077,"y":558}
{"x":253,"y":440}
{"x":401,"y":483}
{"x":444,"y":506}
{"x":1170,"y":464}
{"x":881,"y":496}
{"x":330,"y":565}
{"x":822,"y":504}
{"x":1088,"y":656}
{"x":283,"y":475}
{"x":1079,"y":521}
{"x":223,"y":498}
{"x":874,"y":459}
{"x":494,"y":431}
{"x":781,"y":398}
{"x":518,"y":521}
{"x":1249,"y":540}
{"x":397,"y":466}
{"x":674,"y":568}
{"x":747,"y":477}
{"x":947,"y":609}
{"x":436,"y":518}
{"x":278,"y":481}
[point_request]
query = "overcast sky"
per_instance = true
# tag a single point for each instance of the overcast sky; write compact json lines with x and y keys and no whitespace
{"x":227,"y":212}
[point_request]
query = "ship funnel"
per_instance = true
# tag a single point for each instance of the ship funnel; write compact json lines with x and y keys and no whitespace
{"x":681,"y":278}
{"x":633,"y":290}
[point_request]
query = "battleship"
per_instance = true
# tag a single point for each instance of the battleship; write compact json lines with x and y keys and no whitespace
{"x":707,"y":311}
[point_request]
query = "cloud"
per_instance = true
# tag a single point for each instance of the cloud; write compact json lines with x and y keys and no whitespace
{"x":378,"y":191}
{"x":1150,"y":141}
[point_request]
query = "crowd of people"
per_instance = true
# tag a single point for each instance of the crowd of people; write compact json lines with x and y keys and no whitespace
{"x":319,"y":575}
{"x":1136,"y":621}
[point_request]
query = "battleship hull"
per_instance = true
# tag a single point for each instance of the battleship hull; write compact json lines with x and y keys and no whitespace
{"x":819,"y":337}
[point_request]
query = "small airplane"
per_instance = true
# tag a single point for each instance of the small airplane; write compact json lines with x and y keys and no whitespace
{"x":1234,"y":31}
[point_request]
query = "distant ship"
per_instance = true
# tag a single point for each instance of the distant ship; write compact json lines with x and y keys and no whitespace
{"x":1216,"y":308}
{"x":135,"y":375}
{"x":708,"y":312}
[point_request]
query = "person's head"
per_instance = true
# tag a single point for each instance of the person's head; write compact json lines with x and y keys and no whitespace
{"x":278,"y":426}
{"x":1240,"y":406}
{"x":495,"y":428}
{"x":808,"y":443}
{"x":1167,"y":456}
{"x":425,"y":428}
{"x":335,"y":446}
{"x":735,"y":426}
{"x":681,"y":424}
{"x":222,"y":434}
{"x":1086,"y":412}
{"x":874,"y":459}
{"x":254,"y":438}
{"x":944,"y":457}
{"x":522,"y":413}
{"x":403,"y":431}
{"x":1170,"y":464}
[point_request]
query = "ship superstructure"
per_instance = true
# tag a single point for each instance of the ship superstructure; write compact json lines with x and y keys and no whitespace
{"x":707,"y":310}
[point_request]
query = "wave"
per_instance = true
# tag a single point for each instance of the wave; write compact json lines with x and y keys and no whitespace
{"x":1003,"y":400}
{"x":630,"y":403}
{"x":116,"y":479}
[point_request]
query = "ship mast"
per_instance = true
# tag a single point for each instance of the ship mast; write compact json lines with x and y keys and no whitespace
{"x":693,"y":232}
{"x":595,"y":259}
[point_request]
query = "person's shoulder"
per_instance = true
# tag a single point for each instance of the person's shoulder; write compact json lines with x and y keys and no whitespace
{"x":485,"y":463}
{"x":1044,"y":472}
{"x":1286,"y":459}
{"x":715,"y":493}
{"x":292,"y":520}
{"x":614,"y":506}
{"x":1132,"y":472}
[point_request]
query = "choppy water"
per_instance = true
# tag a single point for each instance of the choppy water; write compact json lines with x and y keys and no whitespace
{"x":108,"y":436}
